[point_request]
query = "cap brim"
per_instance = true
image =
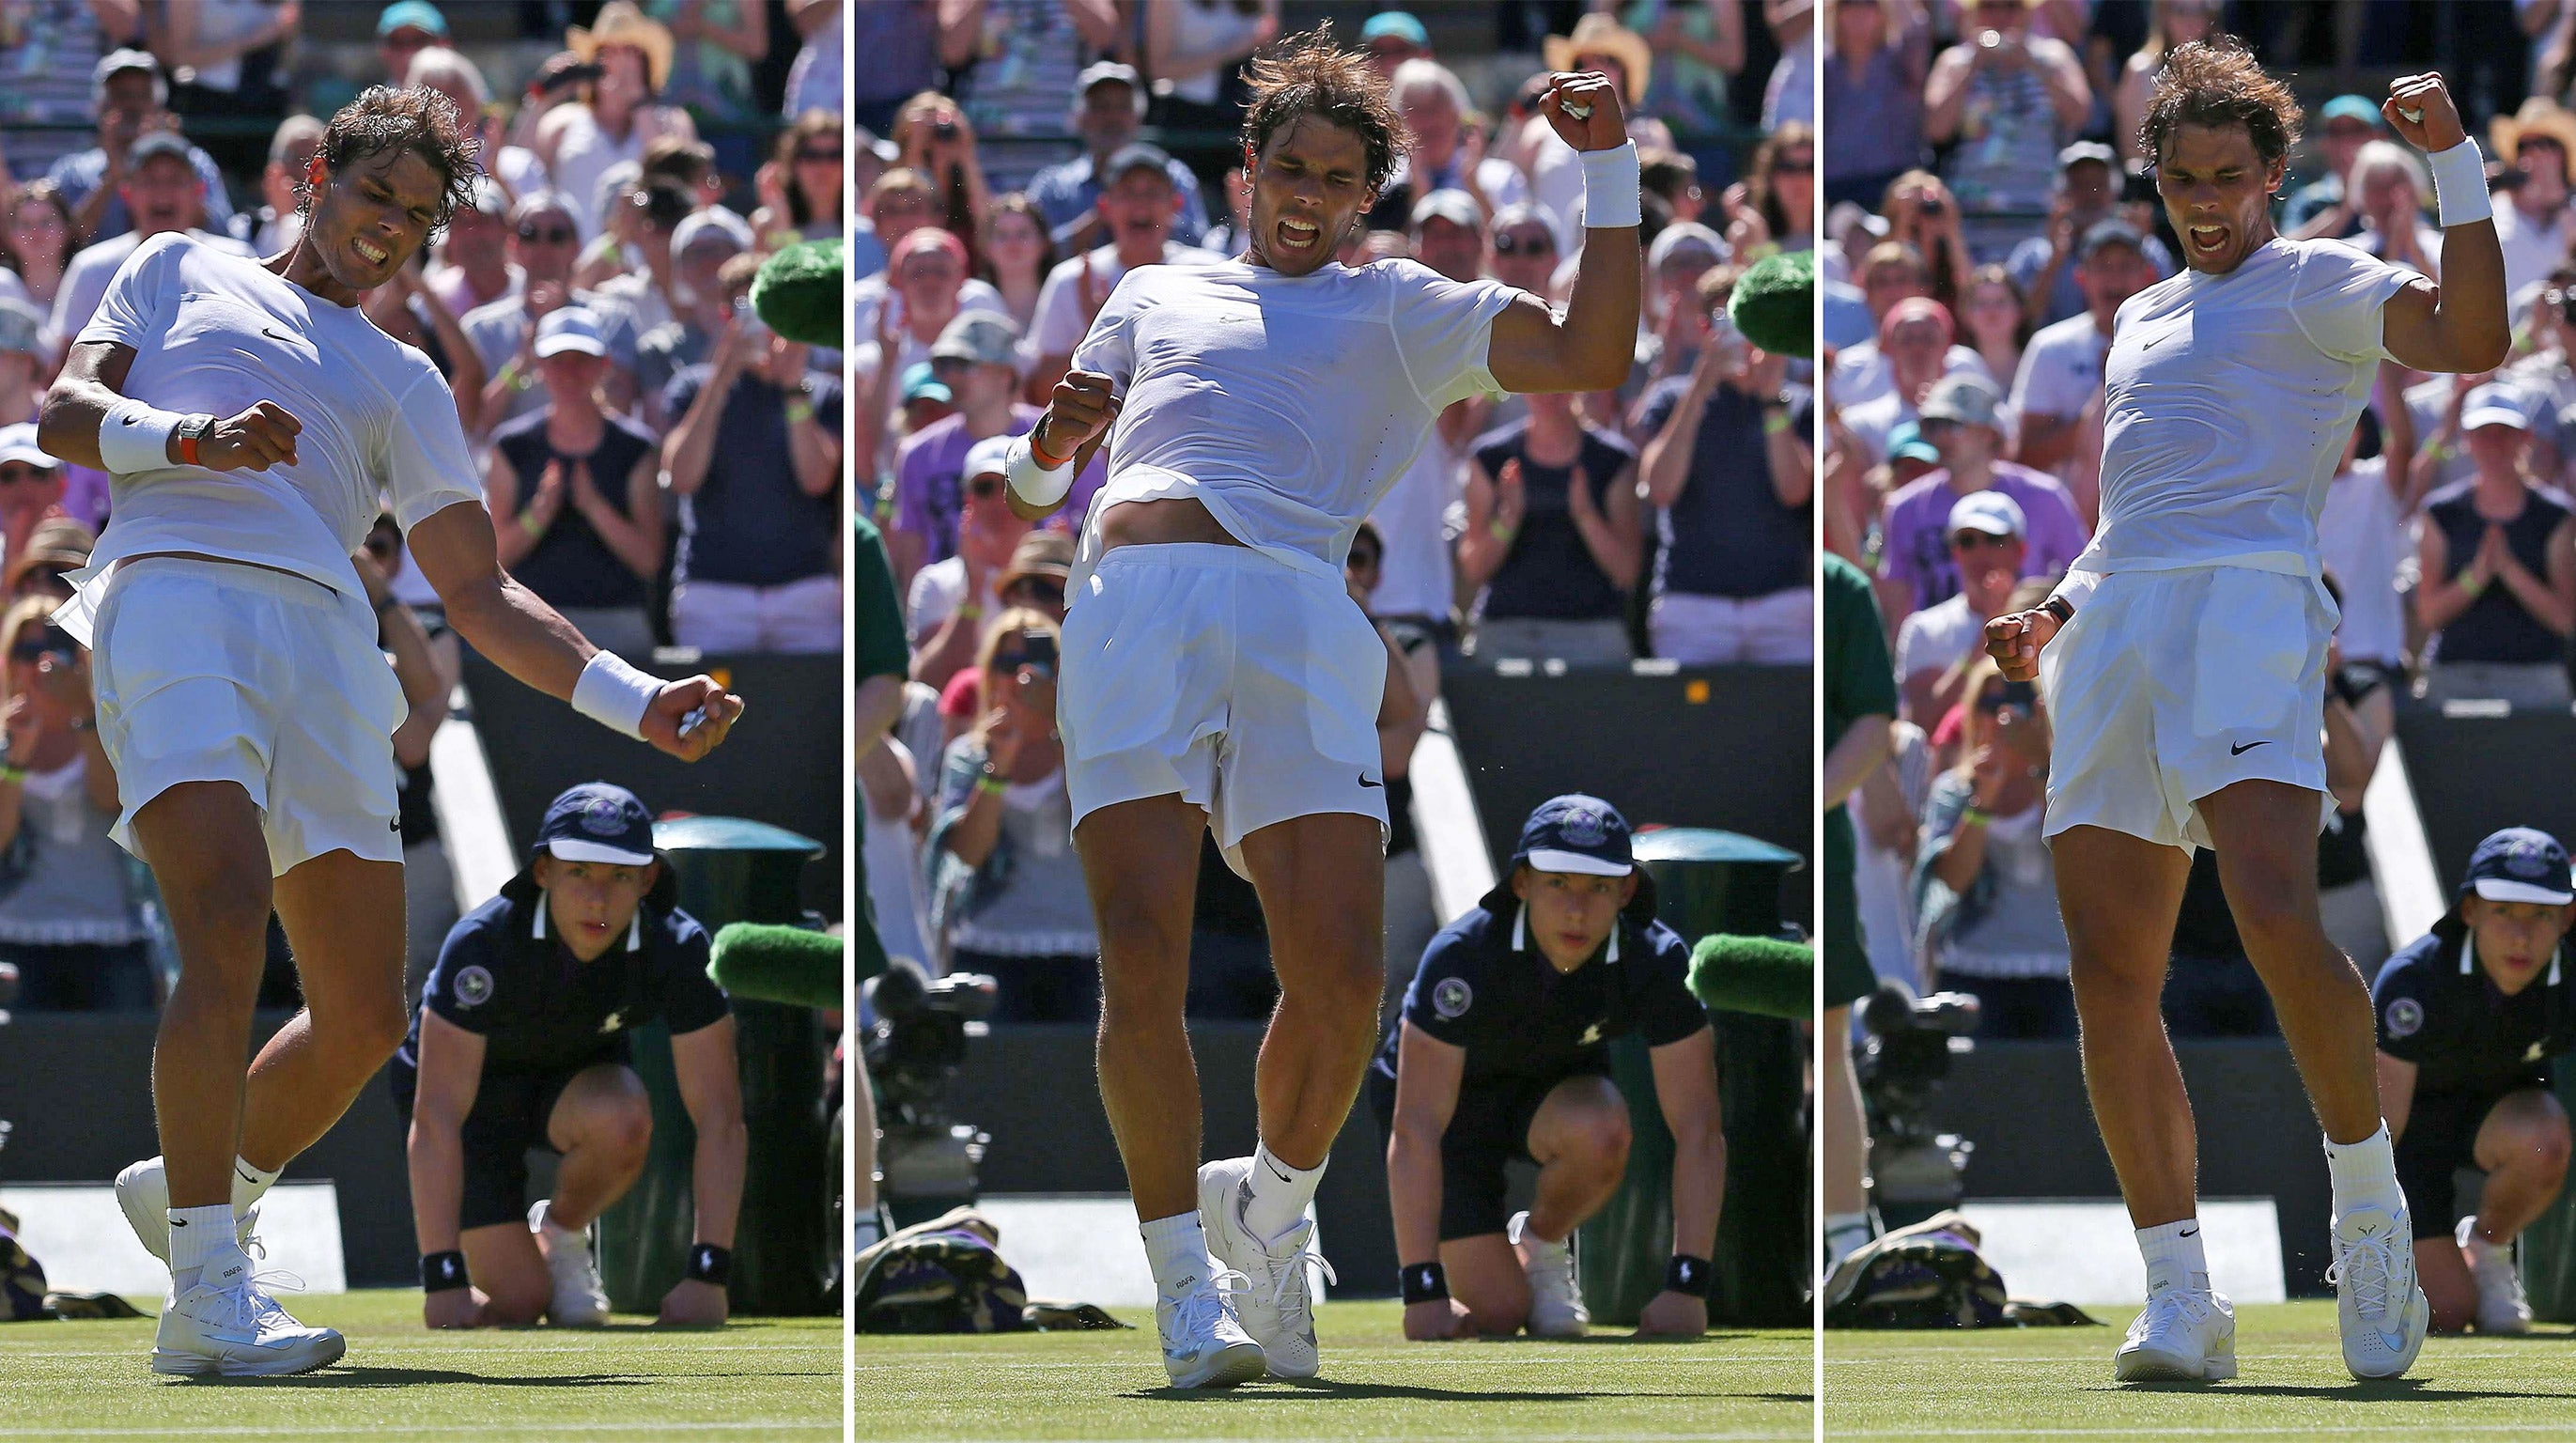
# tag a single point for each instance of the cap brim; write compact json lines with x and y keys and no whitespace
{"x":2505,"y":889}
{"x":560,"y":344}
{"x":1995,"y":529}
{"x":574,"y":849}
{"x":2476,"y":420}
{"x":31,"y":456}
{"x":1549,"y":860}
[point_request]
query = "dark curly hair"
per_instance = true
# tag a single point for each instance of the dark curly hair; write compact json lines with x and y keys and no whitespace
{"x":1309,"y":75}
{"x":2216,"y":82}
{"x":419,"y":120}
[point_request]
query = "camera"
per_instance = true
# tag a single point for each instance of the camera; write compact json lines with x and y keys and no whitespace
{"x":943,"y":129}
{"x":912,"y":1049}
{"x":1915,"y":1171}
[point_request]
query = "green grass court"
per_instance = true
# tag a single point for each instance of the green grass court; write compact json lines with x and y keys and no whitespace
{"x":758,"y":1379}
{"x":2056,"y":1383}
{"x":1033,"y":1386}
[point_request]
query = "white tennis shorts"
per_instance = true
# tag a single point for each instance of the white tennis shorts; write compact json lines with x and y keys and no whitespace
{"x":210,"y":671}
{"x":1248,"y":687}
{"x":2169,"y":685}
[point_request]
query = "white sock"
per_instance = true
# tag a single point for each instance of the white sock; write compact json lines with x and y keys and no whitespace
{"x":1176,"y":1249}
{"x":197,"y":1236}
{"x":2174,"y":1258}
{"x":250,"y":1184}
{"x":2364,"y":1173}
{"x":1276,"y":1195}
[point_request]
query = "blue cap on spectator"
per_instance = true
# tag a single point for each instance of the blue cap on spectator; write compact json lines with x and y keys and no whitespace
{"x":920,"y":385}
{"x":2520,"y":864}
{"x":1137,"y":155}
{"x":1989,"y":513}
{"x":2110,"y":233}
{"x":158,"y":142}
{"x":569,"y":328}
{"x":1576,"y":833}
{"x":1905,"y":443}
{"x":1398,"y":23}
{"x":2350,"y":107}
{"x":597,"y":822}
{"x":411,"y":15}
{"x":2494,"y":405}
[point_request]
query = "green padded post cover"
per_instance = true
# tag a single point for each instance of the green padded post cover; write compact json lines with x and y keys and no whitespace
{"x":1708,"y":882}
{"x":1774,"y":304}
{"x":798,"y":292}
{"x":784,"y":1259}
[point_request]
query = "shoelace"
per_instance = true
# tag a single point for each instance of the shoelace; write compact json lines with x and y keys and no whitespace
{"x":2161,"y":1309}
{"x":251,"y":1302}
{"x":1191,"y":1311}
{"x":1297,"y":1306}
{"x":2371,"y":1281}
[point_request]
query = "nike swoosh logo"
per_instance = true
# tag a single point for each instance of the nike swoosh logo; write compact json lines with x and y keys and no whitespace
{"x":1274,"y":1167}
{"x":1364,"y":781}
{"x":178,"y":1222}
{"x":2247,"y":747}
{"x":129,"y":420}
{"x":245,"y":1177}
{"x":274,"y":336}
{"x":2192,"y":1232}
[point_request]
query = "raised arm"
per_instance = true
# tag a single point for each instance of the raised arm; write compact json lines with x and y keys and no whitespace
{"x":1592,"y":348}
{"x":2460,"y":323}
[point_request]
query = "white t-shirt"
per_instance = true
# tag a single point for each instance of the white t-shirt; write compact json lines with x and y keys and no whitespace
{"x":86,"y":279}
{"x":1287,"y":405}
{"x":218,"y":333}
{"x":2361,"y":538}
{"x":2531,"y":251}
{"x":937,"y":591}
{"x":2227,"y":406}
{"x":1059,"y":324}
{"x":1415,"y":577}
{"x":1934,"y":638}
{"x":2061,"y":369}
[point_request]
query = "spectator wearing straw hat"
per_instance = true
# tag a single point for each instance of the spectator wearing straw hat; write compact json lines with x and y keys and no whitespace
{"x":618,"y":114}
{"x":2534,"y":228}
{"x":1599,"y":43}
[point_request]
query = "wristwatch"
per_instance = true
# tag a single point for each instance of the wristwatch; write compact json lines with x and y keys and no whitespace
{"x":188,"y":434}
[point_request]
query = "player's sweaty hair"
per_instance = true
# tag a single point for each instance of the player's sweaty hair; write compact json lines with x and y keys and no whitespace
{"x":419,"y":120}
{"x":1310,"y":75}
{"x":2216,"y":83}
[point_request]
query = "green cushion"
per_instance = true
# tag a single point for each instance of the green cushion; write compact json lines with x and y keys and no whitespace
{"x":1774,"y":304}
{"x":1760,"y":975}
{"x":798,"y":292}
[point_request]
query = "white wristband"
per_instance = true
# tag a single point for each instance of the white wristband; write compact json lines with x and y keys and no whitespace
{"x":2077,"y":588}
{"x":614,"y":694}
{"x":2460,"y":185}
{"x":134,"y":437}
{"x":1031,"y":482}
{"x":1611,"y":189}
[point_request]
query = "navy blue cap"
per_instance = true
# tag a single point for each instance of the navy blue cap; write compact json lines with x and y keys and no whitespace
{"x":1576,"y":833}
{"x":598,"y":822}
{"x":2519,"y":864}
{"x":1136,"y":155}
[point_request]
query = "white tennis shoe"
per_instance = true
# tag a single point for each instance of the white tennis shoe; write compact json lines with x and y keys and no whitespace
{"x":143,"y":1191}
{"x":1556,"y":1301}
{"x":2186,"y":1335}
{"x":2501,"y":1306}
{"x":1277,"y":1309}
{"x":228,"y":1326}
{"x":580,"y":1299}
{"x":1204,"y":1344}
{"x":2381,"y":1309}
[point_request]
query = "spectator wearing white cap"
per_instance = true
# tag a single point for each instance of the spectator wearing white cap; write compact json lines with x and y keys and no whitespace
{"x":1137,"y":206}
{"x":2497,"y":561}
{"x":1676,"y":324}
{"x":951,"y":599}
{"x":700,"y":246}
{"x":1109,"y":102}
{"x":161,"y":192}
{"x":575,"y":493}
{"x":1962,"y":418}
{"x":31,"y":488}
{"x":131,"y":99}
{"x":1988,"y":541}
{"x":544,"y":240}
{"x":755,"y":458}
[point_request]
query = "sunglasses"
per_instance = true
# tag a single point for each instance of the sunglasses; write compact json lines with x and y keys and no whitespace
{"x":818,"y":157}
{"x":1525,"y":243}
{"x":984,"y":488}
{"x":44,"y":645}
{"x":950,"y":365}
{"x":1362,"y":561}
{"x":1978,"y":541}
{"x":553,"y":235}
{"x":17,"y":471}
{"x":1040,"y":590}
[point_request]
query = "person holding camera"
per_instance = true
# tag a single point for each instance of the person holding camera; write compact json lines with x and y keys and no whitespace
{"x":68,"y":914}
{"x":1990,"y":926}
{"x":2008,"y":99}
{"x":624,"y":59}
{"x":755,"y":459}
{"x":520,"y":1042}
{"x":1009,"y":894}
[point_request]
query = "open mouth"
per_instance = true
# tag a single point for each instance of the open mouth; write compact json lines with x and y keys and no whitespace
{"x":1297,"y":237}
{"x":2206,"y":240}
{"x":370,"y":252}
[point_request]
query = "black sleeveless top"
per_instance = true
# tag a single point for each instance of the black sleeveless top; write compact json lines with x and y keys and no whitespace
{"x":570,"y":565}
{"x":2495,"y":627}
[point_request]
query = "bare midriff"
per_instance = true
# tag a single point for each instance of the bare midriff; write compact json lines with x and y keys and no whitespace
{"x":1163,"y":521}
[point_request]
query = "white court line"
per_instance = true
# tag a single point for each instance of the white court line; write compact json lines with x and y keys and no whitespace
{"x":1340,"y":1361}
{"x":469,"y":812}
{"x":341,"y":1430}
{"x":1445,"y":824}
{"x":2168,"y":1430}
{"x":2410,"y":890}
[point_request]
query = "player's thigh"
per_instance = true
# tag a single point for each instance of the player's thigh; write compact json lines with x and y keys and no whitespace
{"x":2265,"y":833}
{"x":1581,"y":1117}
{"x":603,"y":1106}
{"x":1485,"y":1274}
{"x":1322,"y":883}
{"x":1140,"y":863}
{"x":2119,"y":895}
{"x":2527,"y":1127}
{"x":208,"y":855}
{"x":503,"y":1260}
{"x":344,"y":919}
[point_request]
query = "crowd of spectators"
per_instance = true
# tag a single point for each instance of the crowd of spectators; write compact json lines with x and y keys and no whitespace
{"x":658,"y":465}
{"x":1987,"y":215}
{"x":1020,"y":156}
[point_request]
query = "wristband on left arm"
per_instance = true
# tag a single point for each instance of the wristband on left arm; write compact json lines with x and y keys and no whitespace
{"x":1690,"y":1275}
{"x":710,"y":1264}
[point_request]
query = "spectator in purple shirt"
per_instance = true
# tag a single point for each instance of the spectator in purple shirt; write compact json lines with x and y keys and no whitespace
{"x":1960,"y":417}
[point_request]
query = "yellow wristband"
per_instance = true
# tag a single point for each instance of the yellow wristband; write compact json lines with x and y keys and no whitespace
{"x":798,"y":411}
{"x":2471,"y":586}
{"x":1503,"y":533}
{"x":1773,"y":425}
{"x":534,"y":529}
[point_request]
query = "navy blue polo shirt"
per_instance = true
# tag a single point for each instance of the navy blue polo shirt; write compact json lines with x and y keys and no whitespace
{"x":1484,"y":985}
{"x":505,"y":975}
{"x":2462,"y":1034}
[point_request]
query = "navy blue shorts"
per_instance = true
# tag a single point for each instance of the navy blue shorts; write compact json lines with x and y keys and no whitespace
{"x":1489,"y":1128}
{"x":511,"y":1110}
{"x":2441,"y":1137}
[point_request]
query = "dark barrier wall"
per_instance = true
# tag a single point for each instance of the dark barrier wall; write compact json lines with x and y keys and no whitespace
{"x":782,"y":765}
{"x":77,"y":1086}
{"x":2023,"y":1105}
{"x":1726,"y":747}
{"x":2473,"y":775}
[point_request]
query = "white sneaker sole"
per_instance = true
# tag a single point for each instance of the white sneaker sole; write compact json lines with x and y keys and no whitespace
{"x":2154,"y":1365}
{"x":1234,"y":1364}
{"x":322,"y":1352}
{"x":2419,"y":1322}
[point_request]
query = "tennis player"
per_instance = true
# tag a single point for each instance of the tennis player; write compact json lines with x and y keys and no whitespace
{"x":255,"y":423}
{"x":1217,"y":674}
{"x":2185,"y":668}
